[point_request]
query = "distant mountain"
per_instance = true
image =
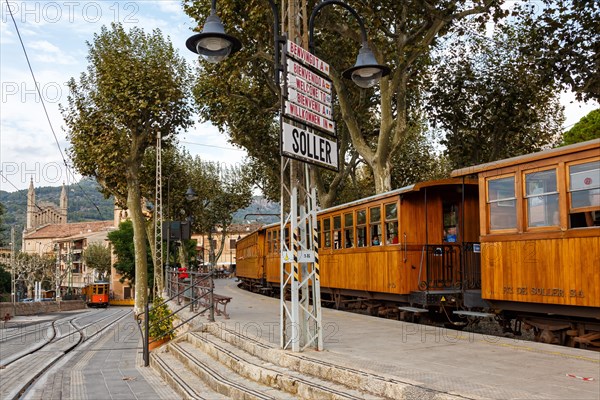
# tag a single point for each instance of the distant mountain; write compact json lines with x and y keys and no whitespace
{"x":258,"y":211}
{"x":86,"y":203}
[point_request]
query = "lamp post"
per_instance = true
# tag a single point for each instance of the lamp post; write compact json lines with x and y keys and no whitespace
{"x":57,"y":272}
{"x":214,"y":45}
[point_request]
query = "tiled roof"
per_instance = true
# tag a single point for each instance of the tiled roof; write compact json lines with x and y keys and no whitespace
{"x":65,"y":230}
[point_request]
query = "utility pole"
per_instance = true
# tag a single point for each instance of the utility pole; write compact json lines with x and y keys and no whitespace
{"x":300,"y":318}
{"x":13,"y":290}
{"x":158,"y":220}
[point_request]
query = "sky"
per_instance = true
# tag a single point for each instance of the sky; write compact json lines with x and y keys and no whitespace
{"x":54,"y":34}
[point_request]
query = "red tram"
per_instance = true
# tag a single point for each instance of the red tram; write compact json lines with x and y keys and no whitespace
{"x":96,"y":294}
{"x":517,"y":239}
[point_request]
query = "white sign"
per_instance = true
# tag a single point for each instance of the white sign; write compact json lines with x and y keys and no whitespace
{"x":299,"y":143}
{"x":295,"y":111}
{"x":306,"y":256}
{"x":309,"y":76}
{"x":302,"y":86}
{"x":302,"y":100}
{"x":307,"y":57}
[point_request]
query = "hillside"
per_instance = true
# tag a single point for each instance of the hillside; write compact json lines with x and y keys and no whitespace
{"x":83,"y":199}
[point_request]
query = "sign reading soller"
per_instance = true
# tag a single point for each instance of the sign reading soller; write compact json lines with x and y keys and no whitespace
{"x":299,"y":143}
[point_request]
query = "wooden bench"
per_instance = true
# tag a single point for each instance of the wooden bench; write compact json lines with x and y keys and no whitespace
{"x":220,"y":302}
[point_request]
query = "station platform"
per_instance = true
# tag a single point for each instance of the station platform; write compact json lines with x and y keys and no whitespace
{"x":445,"y":363}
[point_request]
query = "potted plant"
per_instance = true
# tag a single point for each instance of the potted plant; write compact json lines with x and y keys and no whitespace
{"x":161,"y":323}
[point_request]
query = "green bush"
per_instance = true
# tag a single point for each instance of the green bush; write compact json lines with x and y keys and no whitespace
{"x":161,"y":322}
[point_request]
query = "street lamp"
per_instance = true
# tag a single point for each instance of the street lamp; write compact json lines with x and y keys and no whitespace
{"x":214,"y":45}
{"x":366,"y":72}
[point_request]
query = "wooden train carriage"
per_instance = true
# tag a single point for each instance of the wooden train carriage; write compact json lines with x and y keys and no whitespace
{"x":273,"y":252}
{"x":407,"y":241}
{"x":540,"y":230}
{"x":250,"y":256}
{"x":97,"y":294}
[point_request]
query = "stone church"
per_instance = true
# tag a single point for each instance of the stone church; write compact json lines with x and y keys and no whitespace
{"x":47,"y":233}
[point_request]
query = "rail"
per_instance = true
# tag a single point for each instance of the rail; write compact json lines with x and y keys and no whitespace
{"x":196,"y":290}
{"x":471,"y":266}
{"x":455,"y":266}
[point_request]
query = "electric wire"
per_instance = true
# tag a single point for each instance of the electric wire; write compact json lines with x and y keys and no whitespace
{"x":37,"y":87}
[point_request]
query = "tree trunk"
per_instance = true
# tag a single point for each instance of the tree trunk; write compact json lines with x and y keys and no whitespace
{"x":382,"y":175}
{"x":139,"y":240}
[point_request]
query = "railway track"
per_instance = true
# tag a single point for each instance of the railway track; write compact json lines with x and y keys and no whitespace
{"x":27,"y":355}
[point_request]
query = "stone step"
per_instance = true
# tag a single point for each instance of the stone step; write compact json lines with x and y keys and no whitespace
{"x":270,"y":374}
{"x":179,"y":378}
{"x":220,"y":378}
{"x":309,"y":364}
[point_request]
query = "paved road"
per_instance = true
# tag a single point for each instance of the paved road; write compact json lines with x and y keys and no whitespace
{"x":108,"y":366}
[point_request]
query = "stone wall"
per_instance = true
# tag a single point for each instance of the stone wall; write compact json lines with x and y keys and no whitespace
{"x":40,"y":307}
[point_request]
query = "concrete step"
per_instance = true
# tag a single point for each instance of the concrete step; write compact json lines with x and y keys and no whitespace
{"x":270,"y":374}
{"x":220,"y":378}
{"x":179,"y":377}
{"x":309,"y":364}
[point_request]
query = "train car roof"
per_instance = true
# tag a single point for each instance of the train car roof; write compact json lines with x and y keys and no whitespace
{"x":406,"y":189}
{"x":573,"y":148}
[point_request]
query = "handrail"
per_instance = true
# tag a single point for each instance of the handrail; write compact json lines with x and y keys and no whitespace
{"x":206,"y":281}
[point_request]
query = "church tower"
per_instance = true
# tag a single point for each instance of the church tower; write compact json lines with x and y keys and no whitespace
{"x":30,"y":207}
{"x":63,"y":205}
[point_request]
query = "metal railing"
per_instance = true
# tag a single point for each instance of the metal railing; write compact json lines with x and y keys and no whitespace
{"x":453,"y":266}
{"x":443,"y":267}
{"x":471,"y":267}
{"x":195,"y":292}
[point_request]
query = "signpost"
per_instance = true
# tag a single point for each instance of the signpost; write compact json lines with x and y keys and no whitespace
{"x":308,"y":135}
{"x":309,"y":105}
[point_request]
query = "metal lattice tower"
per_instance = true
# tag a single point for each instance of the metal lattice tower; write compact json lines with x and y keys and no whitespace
{"x":158,"y":219}
{"x":300,"y":313}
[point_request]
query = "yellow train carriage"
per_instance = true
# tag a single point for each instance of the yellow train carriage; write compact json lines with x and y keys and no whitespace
{"x":540,"y":230}
{"x":250,"y":257}
{"x":392,"y":246}
{"x":405,"y":241}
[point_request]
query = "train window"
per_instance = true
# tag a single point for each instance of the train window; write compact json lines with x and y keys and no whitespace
{"x":584,"y":194}
{"x":275,"y":242}
{"x":450,"y":218}
{"x":361,"y":228}
{"x":326,"y":233}
{"x":348,"y":230}
{"x":541,"y":196}
{"x":337,"y":231}
{"x":502,"y":205}
{"x":391,"y":223}
{"x":269,"y":243}
{"x":375,"y":226}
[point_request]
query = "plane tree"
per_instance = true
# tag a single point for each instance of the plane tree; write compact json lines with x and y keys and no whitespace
{"x":491,"y":98}
{"x":136,"y":87}
{"x":239,"y":94}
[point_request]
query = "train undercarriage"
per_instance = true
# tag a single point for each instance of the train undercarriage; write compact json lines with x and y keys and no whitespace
{"x":447,"y":308}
